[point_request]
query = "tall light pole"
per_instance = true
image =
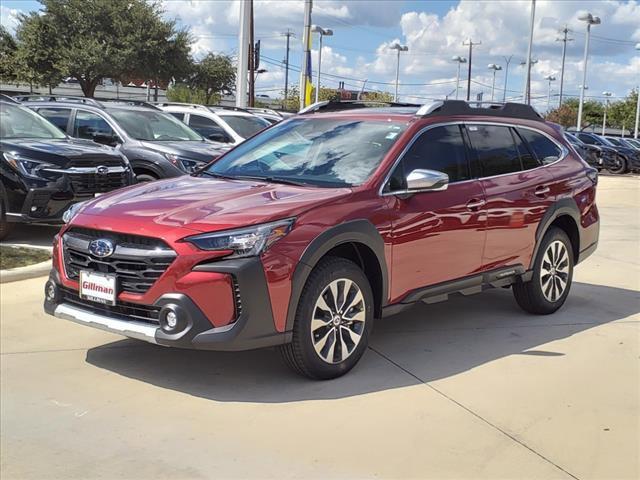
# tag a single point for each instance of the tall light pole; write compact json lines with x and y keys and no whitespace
{"x":606,"y":106}
{"x":564,"y":41}
{"x":549,"y":78}
{"x":591,"y":20}
{"x":635,"y":134}
{"x":324,"y":32}
{"x":526,"y":96}
{"x":495,"y":68}
{"x":243,"y":54}
{"x":459,"y":60}
{"x":399,"y":48}
{"x":526,"y":93}
{"x":470,"y":43}
{"x":507,"y":60}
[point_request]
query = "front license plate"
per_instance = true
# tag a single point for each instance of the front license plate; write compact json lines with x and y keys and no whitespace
{"x":98,"y":287}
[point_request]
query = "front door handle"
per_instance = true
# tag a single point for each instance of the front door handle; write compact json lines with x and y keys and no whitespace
{"x":542,"y":191}
{"x":475,"y":204}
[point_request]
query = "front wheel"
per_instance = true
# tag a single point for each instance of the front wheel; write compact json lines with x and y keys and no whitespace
{"x":333,"y":321}
{"x":619,"y":166}
{"x":549,"y":287}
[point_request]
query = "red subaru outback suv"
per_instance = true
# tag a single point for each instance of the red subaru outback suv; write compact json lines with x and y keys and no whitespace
{"x":303,"y":235}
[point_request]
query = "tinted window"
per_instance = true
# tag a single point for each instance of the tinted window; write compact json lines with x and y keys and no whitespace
{"x":441,"y":149}
{"x":245,"y":126}
{"x":152,"y":125}
{"x":546,"y":150}
{"x":207,"y":127}
{"x":495,"y":148}
{"x":88,"y":125}
{"x":529,"y":160}
{"x":178,"y":115}
{"x":20,"y":122}
{"x":588,"y":139}
{"x":58,"y":116}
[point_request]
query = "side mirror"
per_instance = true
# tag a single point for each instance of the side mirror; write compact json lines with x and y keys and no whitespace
{"x":420,"y":180}
{"x":106,"y":139}
{"x":219,"y":137}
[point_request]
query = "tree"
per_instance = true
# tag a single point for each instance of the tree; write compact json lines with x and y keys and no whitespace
{"x":564,"y":115}
{"x":377,"y":96}
{"x":623,"y":113}
{"x":94,"y":39}
{"x":184,"y":94}
{"x":215,"y":75}
{"x":8,"y":54}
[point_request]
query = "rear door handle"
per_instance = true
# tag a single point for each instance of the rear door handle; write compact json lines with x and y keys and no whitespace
{"x":475,"y":204}
{"x":542,"y":191}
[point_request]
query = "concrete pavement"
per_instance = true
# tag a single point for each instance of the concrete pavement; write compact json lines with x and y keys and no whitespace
{"x":471,"y":388}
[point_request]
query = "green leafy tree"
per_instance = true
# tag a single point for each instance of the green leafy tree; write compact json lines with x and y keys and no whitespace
{"x":565,"y":115}
{"x":377,"y":96}
{"x":8,"y":56}
{"x":215,"y":75}
{"x":185,"y":94}
{"x":94,"y":39}
{"x":623,"y":113}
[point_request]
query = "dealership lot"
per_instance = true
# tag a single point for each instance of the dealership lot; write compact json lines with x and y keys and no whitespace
{"x":471,"y":388}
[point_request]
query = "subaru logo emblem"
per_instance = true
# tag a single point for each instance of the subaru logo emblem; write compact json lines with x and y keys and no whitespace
{"x":101,"y":247}
{"x":102,"y":170}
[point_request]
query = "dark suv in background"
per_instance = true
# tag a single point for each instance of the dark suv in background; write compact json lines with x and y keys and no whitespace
{"x":156,"y":144}
{"x":628,"y":158}
{"x":43,"y":172}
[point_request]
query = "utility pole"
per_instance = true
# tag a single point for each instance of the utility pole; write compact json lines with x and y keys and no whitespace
{"x":305,"y":67}
{"x":526,"y":91}
{"x":243,"y":55}
{"x":564,"y":41}
{"x":606,"y":106}
{"x":470,"y":43}
{"x":252,"y":58}
{"x":289,"y":34}
{"x":506,"y":77}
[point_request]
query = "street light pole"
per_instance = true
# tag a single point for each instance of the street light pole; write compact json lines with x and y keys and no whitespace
{"x":399,"y":48}
{"x":323,"y":32}
{"x":495,"y":68}
{"x":591,"y":20}
{"x":564,"y":41}
{"x":506,"y":77}
{"x":549,"y":78}
{"x":459,"y":60}
{"x":635,"y":134}
{"x":470,"y":43}
{"x":526,"y":94}
{"x":606,"y":106}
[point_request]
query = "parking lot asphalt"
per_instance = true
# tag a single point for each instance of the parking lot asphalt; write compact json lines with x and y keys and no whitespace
{"x":470,"y":388}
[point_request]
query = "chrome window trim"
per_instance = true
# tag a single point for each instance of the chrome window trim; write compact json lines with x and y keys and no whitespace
{"x":564,"y":151}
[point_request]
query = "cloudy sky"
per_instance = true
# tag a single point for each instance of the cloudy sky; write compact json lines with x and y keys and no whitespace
{"x":434,"y":31}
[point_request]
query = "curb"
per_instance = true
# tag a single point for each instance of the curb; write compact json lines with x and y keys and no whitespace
{"x":25,"y":273}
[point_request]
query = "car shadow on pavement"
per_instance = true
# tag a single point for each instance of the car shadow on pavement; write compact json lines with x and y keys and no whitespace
{"x":429,"y":341}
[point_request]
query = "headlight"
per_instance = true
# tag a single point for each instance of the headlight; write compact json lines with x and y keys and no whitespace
{"x":246,"y":242}
{"x":186,"y":164}
{"x":26,"y":166}
{"x":72,"y":211}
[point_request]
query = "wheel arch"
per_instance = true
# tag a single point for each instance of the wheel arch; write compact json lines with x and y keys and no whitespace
{"x":356,"y":240}
{"x":566,"y":216}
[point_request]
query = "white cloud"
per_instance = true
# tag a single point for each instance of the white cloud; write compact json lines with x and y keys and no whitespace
{"x":9,"y":18}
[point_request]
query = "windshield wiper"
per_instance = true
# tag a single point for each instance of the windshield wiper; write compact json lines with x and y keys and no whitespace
{"x":283,"y":180}
{"x":216,"y":175}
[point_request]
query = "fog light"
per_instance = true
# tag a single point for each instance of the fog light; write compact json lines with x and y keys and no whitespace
{"x":50,"y":291}
{"x":171,"y":319}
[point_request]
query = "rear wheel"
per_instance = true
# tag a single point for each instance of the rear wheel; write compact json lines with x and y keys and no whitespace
{"x":552,"y":275}
{"x":619,"y":165}
{"x":145,"y":177}
{"x":333,"y":321}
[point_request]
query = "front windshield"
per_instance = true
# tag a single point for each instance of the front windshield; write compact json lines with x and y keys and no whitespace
{"x":615,"y":142}
{"x":315,"y":151}
{"x":20,"y":122}
{"x":244,"y":125}
{"x":152,"y":125}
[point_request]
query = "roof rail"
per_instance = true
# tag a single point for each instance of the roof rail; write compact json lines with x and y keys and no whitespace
{"x":7,"y":98}
{"x":228,"y":107}
{"x":180,"y":104}
{"x":57,"y":98}
{"x":494,"y":109}
{"x":335,"y":106}
{"x":270,"y":111}
{"x":137,"y":103}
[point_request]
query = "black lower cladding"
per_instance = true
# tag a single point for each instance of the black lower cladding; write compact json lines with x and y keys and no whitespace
{"x":253,"y":328}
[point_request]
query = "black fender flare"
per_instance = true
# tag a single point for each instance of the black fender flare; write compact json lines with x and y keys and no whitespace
{"x":564,"y":206}
{"x":354,"y":231}
{"x":147,"y":165}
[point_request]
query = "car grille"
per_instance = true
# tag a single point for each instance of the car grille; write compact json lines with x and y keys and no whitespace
{"x":133,"y":311}
{"x":93,"y":162}
{"x":137,"y":261}
{"x":89,"y":183}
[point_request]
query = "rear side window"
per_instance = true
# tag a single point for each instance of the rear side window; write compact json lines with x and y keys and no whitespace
{"x":495,"y":148}
{"x":87,"y":125}
{"x":178,"y":115}
{"x":545,"y":150}
{"x":528,"y":159}
{"x":441,"y":149}
{"x":58,"y":116}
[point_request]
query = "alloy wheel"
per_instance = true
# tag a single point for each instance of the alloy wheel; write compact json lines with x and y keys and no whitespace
{"x":338,"y":320}
{"x":554,"y":271}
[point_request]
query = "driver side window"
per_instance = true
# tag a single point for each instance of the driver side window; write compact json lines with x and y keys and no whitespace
{"x":208,"y":128}
{"x":441,"y":149}
{"x":88,"y":125}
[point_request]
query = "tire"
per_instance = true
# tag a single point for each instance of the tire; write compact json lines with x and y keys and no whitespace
{"x":145,"y":177}
{"x":549,"y":287}
{"x":621,"y":166}
{"x":321,"y":335}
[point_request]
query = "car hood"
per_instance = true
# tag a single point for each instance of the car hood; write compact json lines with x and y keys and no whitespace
{"x":60,"y":152}
{"x":205,"y":204}
{"x":204,"y":151}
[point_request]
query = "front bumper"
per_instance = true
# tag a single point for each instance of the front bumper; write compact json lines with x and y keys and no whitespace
{"x":253,"y":328}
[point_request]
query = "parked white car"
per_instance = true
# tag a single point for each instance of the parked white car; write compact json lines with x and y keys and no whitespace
{"x":220,"y":124}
